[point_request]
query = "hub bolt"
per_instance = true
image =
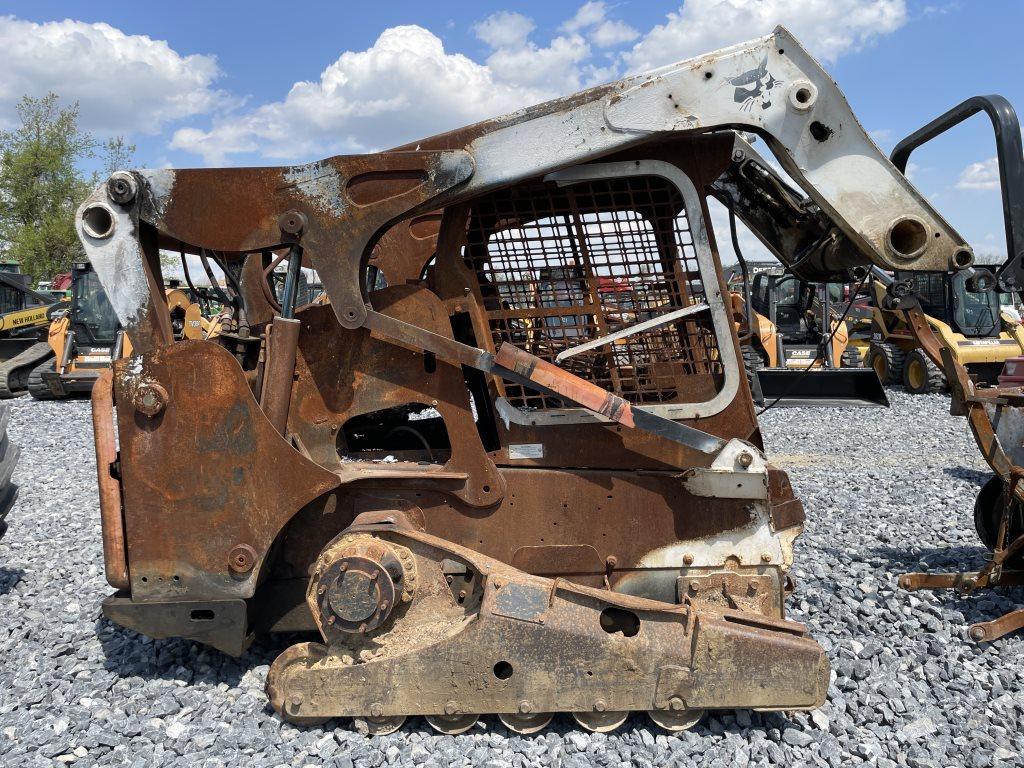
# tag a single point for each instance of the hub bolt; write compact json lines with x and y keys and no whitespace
{"x":241,"y":558}
{"x":525,"y":707}
{"x":450,"y":707}
{"x":600,"y":705}
{"x":376,"y":709}
{"x":675,"y":703}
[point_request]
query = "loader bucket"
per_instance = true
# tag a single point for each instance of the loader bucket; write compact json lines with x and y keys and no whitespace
{"x":833,"y":387}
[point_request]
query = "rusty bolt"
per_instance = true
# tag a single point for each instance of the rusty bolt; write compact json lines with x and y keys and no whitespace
{"x":331,"y":619}
{"x":292,"y":222}
{"x":121,"y":187}
{"x":343,"y":567}
{"x":462,"y":594}
{"x":296,"y":701}
{"x":241,"y":558}
{"x":376,"y":709}
{"x":977,"y":634}
{"x":600,"y":706}
{"x":321,"y":590}
{"x":766,"y":557}
{"x":611,"y":561}
{"x":688,"y":558}
{"x":694,"y":586}
{"x":150,"y":398}
{"x":450,"y":707}
{"x":675,"y":703}
{"x":745,"y":459}
{"x":525,"y":707}
{"x":753,"y":585}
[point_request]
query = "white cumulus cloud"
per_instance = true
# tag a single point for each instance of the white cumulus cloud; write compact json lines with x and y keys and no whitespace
{"x":123,"y":83}
{"x":504,"y":29}
{"x":983,"y":175}
{"x":828,"y":28}
{"x":405,"y":86}
{"x":591,"y":19}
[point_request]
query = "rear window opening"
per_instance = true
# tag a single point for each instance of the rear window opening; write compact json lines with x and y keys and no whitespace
{"x":409,"y":432}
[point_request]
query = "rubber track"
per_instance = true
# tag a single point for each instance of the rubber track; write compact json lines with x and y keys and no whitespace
{"x":8,"y":461}
{"x":29,"y":358}
{"x":36,"y":386}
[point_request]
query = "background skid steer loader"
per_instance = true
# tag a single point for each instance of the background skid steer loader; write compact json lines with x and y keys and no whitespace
{"x":981,"y":329}
{"x":596,"y":537}
{"x":793,"y":357}
{"x":86,"y":336}
{"x":25,"y":316}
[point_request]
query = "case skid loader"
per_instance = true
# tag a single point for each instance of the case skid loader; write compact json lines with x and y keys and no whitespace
{"x":790,"y":355}
{"x":487,"y":483}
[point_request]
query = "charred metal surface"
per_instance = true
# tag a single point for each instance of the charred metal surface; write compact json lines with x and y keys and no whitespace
{"x":182,"y":524}
{"x":528,"y":644}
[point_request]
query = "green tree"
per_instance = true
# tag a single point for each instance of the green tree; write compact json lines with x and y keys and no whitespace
{"x":42,"y":184}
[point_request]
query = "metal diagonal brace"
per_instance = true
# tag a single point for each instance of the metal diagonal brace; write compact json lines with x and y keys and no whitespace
{"x":525,"y":369}
{"x":632,"y":330}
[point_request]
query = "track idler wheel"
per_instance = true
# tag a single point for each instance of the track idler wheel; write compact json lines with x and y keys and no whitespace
{"x":290,"y":704}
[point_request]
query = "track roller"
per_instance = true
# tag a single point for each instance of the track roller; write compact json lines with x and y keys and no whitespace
{"x":451,"y":725}
{"x":526,"y":724}
{"x":379,"y":726}
{"x":599,"y":722}
{"x":675,"y":720}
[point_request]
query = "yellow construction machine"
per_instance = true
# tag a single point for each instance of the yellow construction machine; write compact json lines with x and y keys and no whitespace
{"x":85,"y":337}
{"x":791,"y":355}
{"x":981,"y":329}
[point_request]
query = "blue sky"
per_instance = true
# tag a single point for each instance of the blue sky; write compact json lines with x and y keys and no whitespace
{"x":242,"y":83}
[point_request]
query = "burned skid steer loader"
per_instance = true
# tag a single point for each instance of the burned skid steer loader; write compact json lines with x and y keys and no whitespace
{"x":517,"y":471}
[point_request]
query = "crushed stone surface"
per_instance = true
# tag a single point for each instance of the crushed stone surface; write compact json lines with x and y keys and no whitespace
{"x":886,"y":491}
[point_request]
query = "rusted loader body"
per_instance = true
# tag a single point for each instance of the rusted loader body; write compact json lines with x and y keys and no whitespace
{"x":487,"y":481}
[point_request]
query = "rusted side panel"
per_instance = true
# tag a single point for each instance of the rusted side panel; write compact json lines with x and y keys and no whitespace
{"x":208,"y":482}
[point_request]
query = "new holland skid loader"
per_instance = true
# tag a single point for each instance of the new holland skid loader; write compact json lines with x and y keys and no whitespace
{"x":25,"y":316}
{"x":511,"y":464}
{"x":791,"y":355}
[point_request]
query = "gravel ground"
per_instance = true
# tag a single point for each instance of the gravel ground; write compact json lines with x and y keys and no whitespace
{"x":885,"y":491}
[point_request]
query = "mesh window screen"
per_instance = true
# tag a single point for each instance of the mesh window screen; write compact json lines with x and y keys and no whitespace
{"x":557,"y":267}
